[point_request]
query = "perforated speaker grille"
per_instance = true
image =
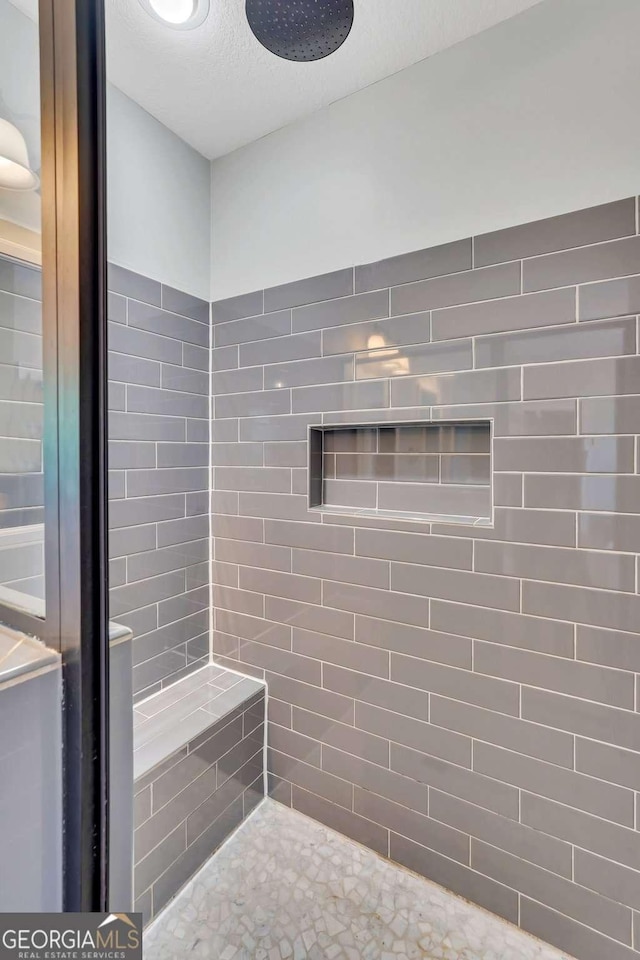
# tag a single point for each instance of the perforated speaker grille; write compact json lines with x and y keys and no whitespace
{"x":300,"y":30}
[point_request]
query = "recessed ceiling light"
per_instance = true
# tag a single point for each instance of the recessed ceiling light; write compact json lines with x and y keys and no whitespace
{"x":179,"y":14}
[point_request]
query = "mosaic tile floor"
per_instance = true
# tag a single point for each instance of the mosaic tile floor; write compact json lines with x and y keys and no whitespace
{"x":286,"y":888}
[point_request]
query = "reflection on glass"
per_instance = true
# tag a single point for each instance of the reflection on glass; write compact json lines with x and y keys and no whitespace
{"x":382,"y":362}
{"x":21,"y":389}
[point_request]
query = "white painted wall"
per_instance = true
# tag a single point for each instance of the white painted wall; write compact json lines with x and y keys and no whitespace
{"x":158,"y":186}
{"x":158,"y":199}
{"x":533,"y":118}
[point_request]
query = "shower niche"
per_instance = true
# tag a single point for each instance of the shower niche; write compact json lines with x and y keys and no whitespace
{"x":430,"y":471}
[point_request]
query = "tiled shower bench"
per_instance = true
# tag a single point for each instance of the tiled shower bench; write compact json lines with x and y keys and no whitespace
{"x":198,"y":772}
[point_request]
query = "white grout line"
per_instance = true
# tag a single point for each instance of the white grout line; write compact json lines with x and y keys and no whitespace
{"x":211,"y":489}
{"x":265,"y":746}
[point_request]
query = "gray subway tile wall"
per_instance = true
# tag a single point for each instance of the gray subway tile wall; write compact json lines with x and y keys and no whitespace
{"x":21,"y":397}
{"x":159,"y":435}
{"x":462,"y":699}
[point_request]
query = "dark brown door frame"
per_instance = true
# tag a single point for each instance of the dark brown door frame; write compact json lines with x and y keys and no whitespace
{"x":72,"y":81}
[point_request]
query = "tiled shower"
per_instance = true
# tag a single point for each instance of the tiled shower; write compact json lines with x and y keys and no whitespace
{"x":452,"y":686}
{"x":424,"y":494}
{"x":374,"y":527}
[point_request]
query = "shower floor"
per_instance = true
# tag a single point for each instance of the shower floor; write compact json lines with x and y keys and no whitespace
{"x":284,"y":887}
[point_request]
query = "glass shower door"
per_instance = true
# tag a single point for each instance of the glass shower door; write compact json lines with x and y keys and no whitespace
{"x":22,"y":574}
{"x":53,"y":568}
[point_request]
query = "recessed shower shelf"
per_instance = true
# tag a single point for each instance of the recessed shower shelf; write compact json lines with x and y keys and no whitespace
{"x":404,"y":515}
{"x":425,"y":471}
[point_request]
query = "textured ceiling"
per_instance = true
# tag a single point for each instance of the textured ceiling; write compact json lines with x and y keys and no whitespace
{"x":218,"y":89}
{"x":30,"y":7}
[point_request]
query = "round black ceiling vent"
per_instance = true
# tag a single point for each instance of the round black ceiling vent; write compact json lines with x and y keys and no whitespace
{"x":301,"y":30}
